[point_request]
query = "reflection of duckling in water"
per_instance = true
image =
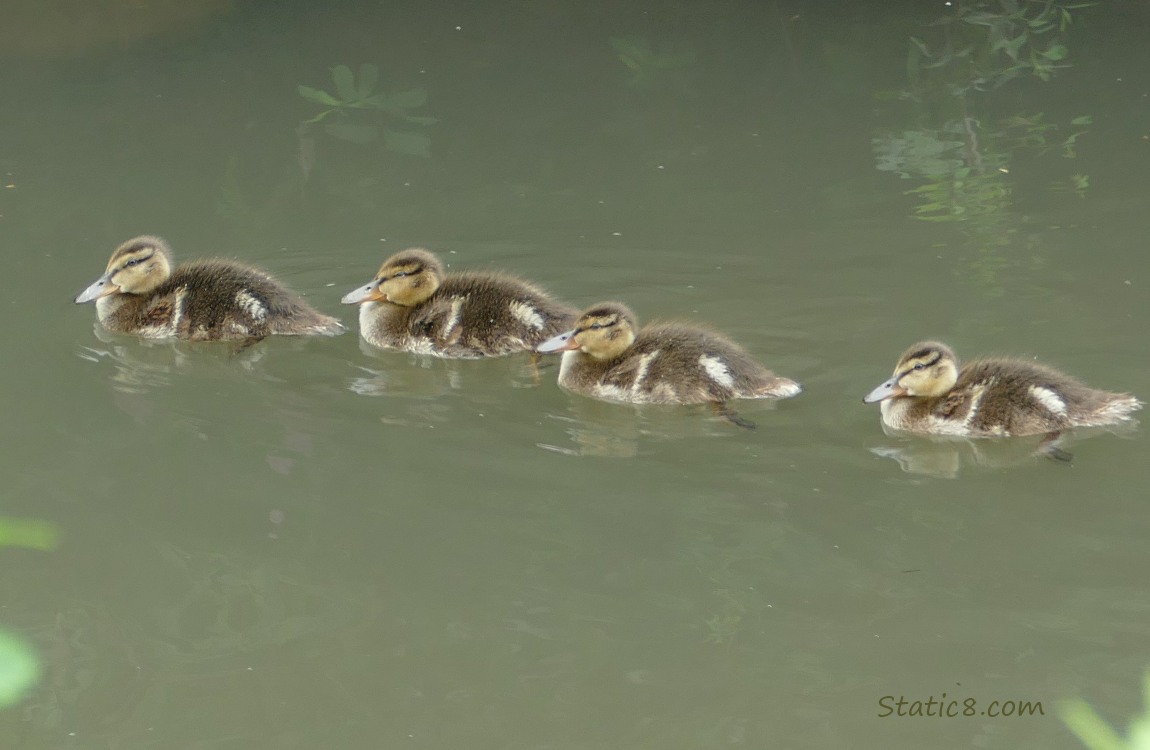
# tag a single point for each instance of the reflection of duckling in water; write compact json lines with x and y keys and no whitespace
{"x":413,"y":305}
{"x":591,"y":427}
{"x":606,"y":356}
{"x":206,"y":300}
{"x":929,"y":394}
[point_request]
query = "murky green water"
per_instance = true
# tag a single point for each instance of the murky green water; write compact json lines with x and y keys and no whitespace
{"x":313,"y":545}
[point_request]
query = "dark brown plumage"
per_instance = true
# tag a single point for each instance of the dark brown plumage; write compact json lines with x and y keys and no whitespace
{"x":413,"y":305}
{"x":607,"y":356}
{"x":206,"y":300}
{"x":991,"y":397}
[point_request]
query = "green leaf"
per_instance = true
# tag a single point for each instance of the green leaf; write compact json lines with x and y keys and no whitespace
{"x":344,"y":83}
{"x":633,"y":47}
{"x":981,"y":18}
{"x":412,"y":144}
{"x":1055,"y":52}
{"x":352,"y":132}
{"x":1014,"y":46}
{"x":19,"y":669}
{"x":407,"y":99}
{"x":317,"y":96}
{"x":375,"y":101}
{"x":319,"y":117}
{"x":30,"y":533}
{"x":368,"y":77}
{"x":1091,"y":728}
{"x":1083,"y":120}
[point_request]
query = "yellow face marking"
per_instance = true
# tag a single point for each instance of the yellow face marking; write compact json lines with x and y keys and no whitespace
{"x":407,"y":282}
{"x":604,"y":336}
{"x":931,"y":373}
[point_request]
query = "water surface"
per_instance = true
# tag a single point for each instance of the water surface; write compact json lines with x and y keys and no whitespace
{"x":311,"y":544}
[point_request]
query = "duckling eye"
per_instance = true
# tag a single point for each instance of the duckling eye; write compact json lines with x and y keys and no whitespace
{"x":920,"y":366}
{"x":133,"y":262}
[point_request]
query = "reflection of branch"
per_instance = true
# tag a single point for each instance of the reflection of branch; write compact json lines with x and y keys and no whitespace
{"x":974,"y":158}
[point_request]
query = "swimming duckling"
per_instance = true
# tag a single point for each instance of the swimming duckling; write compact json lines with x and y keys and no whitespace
{"x":413,"y":305}
{"x":606,"y":356}
{"x":990,"y":397}
{"x":206,"y":300}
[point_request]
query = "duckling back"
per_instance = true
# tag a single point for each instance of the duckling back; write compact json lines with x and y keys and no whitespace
{"x":471,"y":315}
{"x":1005,"y":397}
{"x":1014,"y":397}
{"x":213,"y":300}
{"x":669,"y":363}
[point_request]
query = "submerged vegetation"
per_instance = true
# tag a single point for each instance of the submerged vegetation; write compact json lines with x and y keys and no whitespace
{"x":1096,"y":734}
{"x":19,"y":669}
{"x":982,"y":44}
{"x":365,"y":119}
{"x":669,"y":66}
{"x":19,"y":664}
{"x":951,"y":142}
{"x":358,"y":113}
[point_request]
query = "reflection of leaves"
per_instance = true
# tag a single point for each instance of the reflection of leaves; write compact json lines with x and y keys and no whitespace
{"x":412,"y":144}
{"x":352,"y":132}
{"x":963,"y":196}
{"x":1097,"y":734}
{"x":406,"y":100}
{"x":358,"y":92}
{"x":368,"y":78}
{"x":1078,"y":184}
{"x":344,"y":81}
{"x":19,"y":669}
{"x":918,"y":153}
{"x":987,"y":44}
{"x":30,"y":533}
{"x":317,"y":96}
{"x":650,"y":68}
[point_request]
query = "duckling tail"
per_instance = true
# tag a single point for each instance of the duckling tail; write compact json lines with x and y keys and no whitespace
{"x":1119,"y":408}
{"x":779,"y":387}
{"x":329,"y":327}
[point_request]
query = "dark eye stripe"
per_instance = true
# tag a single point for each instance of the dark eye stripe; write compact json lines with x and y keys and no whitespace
{"x":597,"y":326}
{"x":138,"y":261}
{"x":401,"y":274}
{"x":924,"y":365}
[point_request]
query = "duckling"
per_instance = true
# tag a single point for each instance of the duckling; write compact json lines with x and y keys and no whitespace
{"x":413,"y":305}
{"x":990,"y":397}
{"x":607,"y":356}
{"x":206,"y":300}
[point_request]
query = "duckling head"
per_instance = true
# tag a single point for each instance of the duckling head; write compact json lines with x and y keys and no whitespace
{"x":927,"y":369}
{"x":603,"y":332}
{"x":137,"y":267}
{"x":407,"y":278}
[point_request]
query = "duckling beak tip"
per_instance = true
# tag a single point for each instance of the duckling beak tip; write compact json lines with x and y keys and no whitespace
{"x":889,"y":389}
{"x":368,"y":293}
{"x":101,"y":287}
{"x":562,"y":343}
